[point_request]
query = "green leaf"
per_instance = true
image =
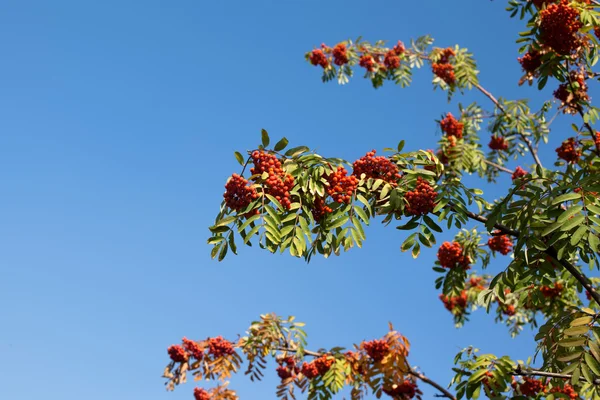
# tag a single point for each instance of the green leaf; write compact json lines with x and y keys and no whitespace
{"x":578,"y":235}
{"x":595,"y":350}
{"x":431,"y":224}
{"x":581,"y":321}
{"x":565,"y":197}
{"x":239,"y":157}
{"x":576,"y":330}
{"x":416,"y":250}
{"x":337,"y":223}
{"x":572,"y":342}
{"x":572,"y":223}
{"x":226,"y":221}
{"x":282,"y":144}
{"x":295,"y":151}
{"x":569,"y":213}
{"x":265,"y":138}
{"x":594,"y":242}
{"x":592,"y":363}
{"x":569,"y":356}
{"x":400,"y":146}
{"x":361,"y":213}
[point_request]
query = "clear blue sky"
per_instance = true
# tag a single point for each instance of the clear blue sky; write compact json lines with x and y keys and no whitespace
{"x":118,"y":124}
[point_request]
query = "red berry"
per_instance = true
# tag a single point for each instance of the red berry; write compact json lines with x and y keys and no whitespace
{"x":317,"y":57}
{"x":201,"y":394}
{"x":278,"y":183}
{"x":399,"y":48}
{"x":450,"y":255}
{"x":559,"y":24}
{"x":531,"y":61}
{"x":498,"y":143}
{"x":518,"y":173}
{"x":500,"y":243}
{"x":367,"y":62}
{"x":569,"y":151}
{"x":531,"y":387}
{"x":552,"y":292}
{"x":310,"y":370}
{"x":341,"y":187}
{"x":391,"y":60}
{"x":451,"y":127}
{"x":421,"y":200}
{"x":193,"y":348}
{"x":445,"y":72}
{"x":340,"y":56}
{"x":377,"y":349}
{"x":238,"y":194}
{"x":405,"y":390}
{"x":572,"y":93}
{"x":376,"y":168}
{"x":219,"y":347}
{"x":177,"y":353}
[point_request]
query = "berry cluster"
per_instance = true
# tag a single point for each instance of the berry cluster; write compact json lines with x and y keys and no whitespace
{"x":421,"y":200}
{"x":531,"y":61}
{"x":498,"y":143}
{"x":500,"y":243}
{"x":451,"y":126}
{"x":597,"y":141}
{"x":177,"y":353}
{"x":569,"y":151}
{"x":320,"y":209}
{"x":529,"y":387}
{"x":552,"y":292}
{"x":219,"y":347}
{"x":193,"y":348}
{"x":201,"y":394}
{"x":289,"y":369}
{"x":406,"y":390}
{"x":317,"y":367}
{"x":377,"y":349}
{"x":452,"y":302}
{"x":573,"y":92}
{"x":317,"y":57}
{"x":278,"y":184}
{"x":398,"y":49}
{"x":518,"y":173}
{"x":451,"y":255}
{"x":443,"y":69}
{"x":238,"y":195}
{"x":391,"y":60}
{"x":475,"y":283}
{"x":367,"y":62}
{"x":340,"y":54}
{"x":509,"y":310}
{"x":341,"y":186}
{"x":376,"y":168}
{"x":566,"y":390}
{"x":559,"y":24}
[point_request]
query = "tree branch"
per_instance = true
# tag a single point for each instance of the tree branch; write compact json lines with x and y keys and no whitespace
{"x":436,"y":385}
{"x":498,"y":166}
{"x":535,"y":372}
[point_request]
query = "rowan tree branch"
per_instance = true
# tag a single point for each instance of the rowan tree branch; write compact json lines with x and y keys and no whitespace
{"x":498,"y":166}
{"x":535,"y":372}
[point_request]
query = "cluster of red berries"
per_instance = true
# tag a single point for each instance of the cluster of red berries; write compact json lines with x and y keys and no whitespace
{"x":193,"y":348}
{"x":452,"y":127}
{"x":569,"y":151}
{"x":443,"y":69}
{"x":475,"y":283}
{"x":450,"y":255}
{"x":367,"y":62}
{"x":320,"y":208}
{"x":238,"y":195}
{"x":406,"y":390}
{"x":559,"y":26}
{"x":377,"y":349}
{"x":518,"y":173}
{"x":566,"y":390}
{"x":278,"y":184}
{"x":500,"y":243}
{"x":201,"y":394}
{"x":509,"y":310}
{"x":552,"y":292}
{"x":391,"y":60}
{"x":376,"y":168}
{"x":597,"y":141}
{"x":177,"y":353}
{"x":452,"y":302}
{"x":572,"y":92}
{"x":317,"y":367}
{"x":340,"y":54}
{"x":289,"y":369}
{"x":498,"y":143}
{"x":317,"y":57}
{"x":531,"y":61}
{"x":421,"y":200}
{"x":530,"y":386}
{"x":341,"y":187}
{"x":219,"y":347}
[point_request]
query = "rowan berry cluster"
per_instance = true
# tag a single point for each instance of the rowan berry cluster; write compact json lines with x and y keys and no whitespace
{"x":566,"y":390}
{"x":452,"y":302}
{"x":530,"y":386}
{"x":500,"y":243}
{"x":569,"y":151}
{"x":201,"y":394}
{"x":193,"y":348}
{"x":376,"y":168}
{"x":320,"y":209}
{"x":367,"y":62}
{"x":421,"y":200}
{"x":573,"y":92}
{"x":498,"y":143}
{"x":391,"y":60}
{"x":377,"y":349}
{"x":289,"y":369}
{"x":238,"y":194}
{"x":340,"y":54}
{"x":452,"y":127}
{"x":341,"y":187}
{"x":597,"y":141}
{"x":317,"y":57}
{"x":177,"y":353}
{"x":531,"y":61}
{"x":450,"y":255}
{"x":398,"y":49}
{"x":518,"y":173}
{"x":509,"y":310}
{"x":317,"y":367}
{"x":278,"y":184}
{"x":475,"y":283}
{"x":552,"y":292}
{"x":443,"y":69}
{"x":406,"y":390}
{"x":559,"y":24}
{"x":219,"y":347}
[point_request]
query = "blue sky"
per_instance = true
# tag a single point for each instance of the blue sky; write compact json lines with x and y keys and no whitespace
{"x":118,"y":124}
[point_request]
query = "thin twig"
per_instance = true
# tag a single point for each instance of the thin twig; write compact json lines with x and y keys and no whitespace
{"x":498,"y":166}
{"x":436,"y":385}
